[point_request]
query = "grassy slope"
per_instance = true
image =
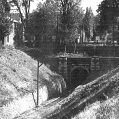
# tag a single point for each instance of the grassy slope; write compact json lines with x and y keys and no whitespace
{"x":72,"y":105}
{"x":18,"y":73}
{"x":102,"y":109}
{"x":108,"y":109}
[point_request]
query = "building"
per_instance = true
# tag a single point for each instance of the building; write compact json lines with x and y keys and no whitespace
{"x":15,"y":18}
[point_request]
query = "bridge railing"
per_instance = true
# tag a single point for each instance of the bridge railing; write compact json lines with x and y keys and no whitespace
{"x":106,"y":51}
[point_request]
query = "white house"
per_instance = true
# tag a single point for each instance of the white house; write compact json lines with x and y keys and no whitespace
{"x":9,"y":40}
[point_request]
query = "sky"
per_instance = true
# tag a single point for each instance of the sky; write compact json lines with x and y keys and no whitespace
{"x":34,"y":4}
{"x":91,"y":3}
{"x":85,"y":3}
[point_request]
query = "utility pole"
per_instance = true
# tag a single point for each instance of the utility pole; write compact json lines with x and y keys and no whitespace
{"x":37,"y":104}
{"x":37,"y":85}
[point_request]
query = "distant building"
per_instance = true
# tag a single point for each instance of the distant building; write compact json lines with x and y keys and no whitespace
{"x":15,"y":18}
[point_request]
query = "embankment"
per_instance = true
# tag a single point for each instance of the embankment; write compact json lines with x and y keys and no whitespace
{"x":18,"y":80}
{"x":68,"y":107}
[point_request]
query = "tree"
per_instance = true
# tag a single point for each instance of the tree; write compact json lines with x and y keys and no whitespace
{"x":108,"y":11}
{"x":5,"y":23}
{"x":37,"y":25}
{"x":88,"y":22}
{"x":68,"y":25}
{"x":4,"y":7}
{"x":43,"y":21}
{"x":96,"y":27}
{"x":23,"y":7}
{"x":50,"y":21}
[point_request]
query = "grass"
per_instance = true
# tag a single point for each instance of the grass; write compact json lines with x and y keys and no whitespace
{"x":101,"y":109}
{"x":18,"y":75}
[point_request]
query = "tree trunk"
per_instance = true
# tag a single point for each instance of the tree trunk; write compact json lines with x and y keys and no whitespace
{"x":65,"y":48}
{"x":74,"y":48}
{"x":23,"y":38}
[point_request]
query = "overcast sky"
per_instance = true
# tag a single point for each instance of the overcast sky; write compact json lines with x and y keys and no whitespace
{"x":34,"y":4}
{"x":91,"y":3}
{"x":85,"y":3}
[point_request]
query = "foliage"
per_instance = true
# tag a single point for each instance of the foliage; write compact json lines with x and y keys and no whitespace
{"x":43,"y":21}
{"x":69,"y":19}
{"x":23,"y":7}
{"x":108,"y":12}
{"x":5,"y":23}
{"x":38,"y":23}
{"x":18,"y":42}
{"x":60,"y":19}
{"x":95,"y":27}
{"x":4,"y":6}
{"x":88,"y":22}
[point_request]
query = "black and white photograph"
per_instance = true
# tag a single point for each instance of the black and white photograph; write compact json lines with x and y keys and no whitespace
{"x":59,"y":59}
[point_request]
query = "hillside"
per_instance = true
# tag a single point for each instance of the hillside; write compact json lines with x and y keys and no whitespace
{"x":80,"y":104}
{"x":108,"y":109}
{"x":18,"y":76}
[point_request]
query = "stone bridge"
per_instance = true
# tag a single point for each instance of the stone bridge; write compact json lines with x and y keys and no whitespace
{"x":97,"y":61}
{"x":76,"y":70}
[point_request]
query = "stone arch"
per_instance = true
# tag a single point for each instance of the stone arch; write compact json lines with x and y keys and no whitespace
{"x":78,"y":75}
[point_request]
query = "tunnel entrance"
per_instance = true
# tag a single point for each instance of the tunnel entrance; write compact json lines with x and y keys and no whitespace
{"x":78,"y":76}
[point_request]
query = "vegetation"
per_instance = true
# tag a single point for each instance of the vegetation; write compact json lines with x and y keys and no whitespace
{"x":101,"y":110}
{"x":101,"y":89}
{"x":56,"y":22}
{"x":43,"y":22}
{"x":69,"y":27}
{"x":5,"y":23}
{"x":18,"y":80}
{"x":108,"y":12}
{"x":88,"y":23}
{"x":23,"y":6}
